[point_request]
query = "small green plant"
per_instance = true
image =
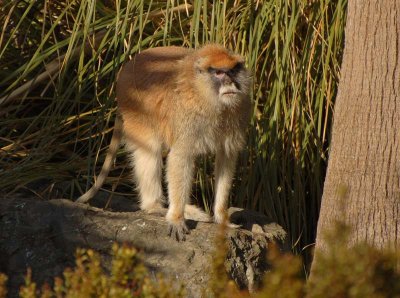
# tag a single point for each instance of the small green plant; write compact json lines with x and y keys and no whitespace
{"x":357,"y":271}
{"x":3,"y":288}
{"x":220,"y":285}
{"x":285,"y":279}
{"x":128,"y":278}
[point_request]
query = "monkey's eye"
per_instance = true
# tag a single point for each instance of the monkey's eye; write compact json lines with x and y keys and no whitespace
{"x":211,"y":70}
{"x":238,"y":67}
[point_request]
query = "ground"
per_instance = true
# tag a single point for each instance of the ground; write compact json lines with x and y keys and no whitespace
{"x":44,"y":235}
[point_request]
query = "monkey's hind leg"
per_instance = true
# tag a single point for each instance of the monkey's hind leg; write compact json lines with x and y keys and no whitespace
{"x":147,"y":166}
{"x":224,"y":171}
{"x":180,"y":167}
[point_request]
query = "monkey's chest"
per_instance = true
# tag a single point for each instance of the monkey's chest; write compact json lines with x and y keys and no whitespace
{"x":204,"y":141}
{"x":211,"y":137}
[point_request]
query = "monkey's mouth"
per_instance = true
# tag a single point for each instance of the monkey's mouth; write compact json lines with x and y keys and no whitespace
{"x":230,"y":98}
{"x":230,"y":93}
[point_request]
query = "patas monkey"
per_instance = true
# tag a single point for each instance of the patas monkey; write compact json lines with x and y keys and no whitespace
{"x":190,"y":102}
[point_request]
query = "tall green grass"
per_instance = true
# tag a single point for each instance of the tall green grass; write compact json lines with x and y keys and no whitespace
{"x":59,"y":60}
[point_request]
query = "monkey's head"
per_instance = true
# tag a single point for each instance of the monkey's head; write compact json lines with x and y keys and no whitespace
{"x":224,"y":72}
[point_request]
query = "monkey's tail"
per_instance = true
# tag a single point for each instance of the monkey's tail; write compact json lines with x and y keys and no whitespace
{"x":194,"y":213}
{"x":108,"y":163}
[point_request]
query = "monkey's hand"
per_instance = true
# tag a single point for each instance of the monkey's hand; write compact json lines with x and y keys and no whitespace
{"x":178,"y":230}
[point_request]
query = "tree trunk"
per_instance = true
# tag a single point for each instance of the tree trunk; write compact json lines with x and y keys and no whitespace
{"x":365,"y":148}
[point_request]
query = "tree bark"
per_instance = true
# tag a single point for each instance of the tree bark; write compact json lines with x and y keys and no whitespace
{"x":365,"y":149}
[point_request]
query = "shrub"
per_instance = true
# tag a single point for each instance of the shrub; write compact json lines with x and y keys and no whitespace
{"x":128,"y":278}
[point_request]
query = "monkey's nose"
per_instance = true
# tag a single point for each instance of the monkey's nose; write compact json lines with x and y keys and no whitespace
{"x":226,"y":80}
{"x":219,"y":74}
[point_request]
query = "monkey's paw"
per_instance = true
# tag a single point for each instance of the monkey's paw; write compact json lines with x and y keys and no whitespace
{"x":222,"y":219}
{"x":178,"y":230}
{"x":233,"y":226}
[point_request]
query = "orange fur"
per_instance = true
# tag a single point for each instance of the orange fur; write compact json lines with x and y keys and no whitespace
{"x":218,"y":57}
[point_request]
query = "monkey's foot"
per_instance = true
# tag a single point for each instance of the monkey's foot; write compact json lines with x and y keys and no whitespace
{"x":233,"y":226}
{"x":154,"y":208}
{"x":223,"y":220}
{"x":178,"y":230}
{"x":229,"y":225}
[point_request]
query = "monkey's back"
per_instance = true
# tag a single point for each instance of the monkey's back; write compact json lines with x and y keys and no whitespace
{"x":144,"y":85}
{"x":149,"y":73}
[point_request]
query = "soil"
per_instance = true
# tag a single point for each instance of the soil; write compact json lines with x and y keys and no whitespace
{"x":44,"y":235}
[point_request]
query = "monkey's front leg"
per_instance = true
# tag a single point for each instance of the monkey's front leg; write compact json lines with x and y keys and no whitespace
{"x":224,"y":171}
{"x":180,"y":166}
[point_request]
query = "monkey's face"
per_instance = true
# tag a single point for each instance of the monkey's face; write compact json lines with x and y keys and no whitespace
{"x":223,"y":85}
{"x":228,"y":83}
{"x":222,"y":76}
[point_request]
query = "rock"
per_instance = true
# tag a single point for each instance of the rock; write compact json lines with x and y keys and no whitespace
{"x":44,"y":235}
